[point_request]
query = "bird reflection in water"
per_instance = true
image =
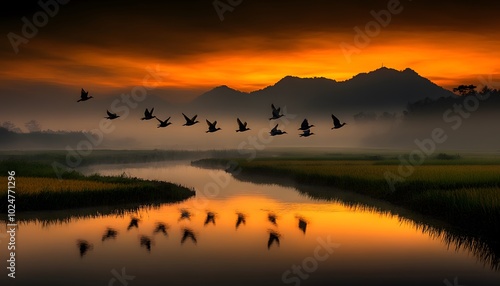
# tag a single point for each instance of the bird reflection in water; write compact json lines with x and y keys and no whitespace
{"x":210,"y":218}
{"x":83,"y":247}
{"x":302,"y":224}
{"x":145,"y":242}
{"x":185,"y":214}
{"x":161,"y":227}
{"x":134,"y":222}
{"x":274,"y":238}
{"x":188,"y":234}
{"x":109,"y":234}
{"x":272,"y":218}
{"x":241,"y":219}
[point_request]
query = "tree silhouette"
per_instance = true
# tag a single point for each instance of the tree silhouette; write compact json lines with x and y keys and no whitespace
{"x":33,"y":126}
{"x":11,"y":127}
{"x":465,"y":89}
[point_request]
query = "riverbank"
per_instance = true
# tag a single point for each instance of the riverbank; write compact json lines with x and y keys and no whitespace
{"x":37,"y":188}
{"x":461,"y":191}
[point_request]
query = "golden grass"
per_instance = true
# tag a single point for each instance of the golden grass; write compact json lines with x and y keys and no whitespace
{"x":443,"y":174}
{"x":30,"y":185}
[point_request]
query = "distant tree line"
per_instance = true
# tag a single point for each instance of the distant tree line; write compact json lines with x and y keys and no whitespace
{"x":11,"y":137}
{"x":427,"y":107}
{"x":489,"y":99}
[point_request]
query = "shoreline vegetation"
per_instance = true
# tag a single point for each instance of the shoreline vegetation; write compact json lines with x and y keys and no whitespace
{"x":453,"y":198}
{"x":39,"y":189}
{"x":460,"y":191}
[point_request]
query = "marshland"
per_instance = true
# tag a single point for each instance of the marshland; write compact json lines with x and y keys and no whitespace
{"x":448,"y":206}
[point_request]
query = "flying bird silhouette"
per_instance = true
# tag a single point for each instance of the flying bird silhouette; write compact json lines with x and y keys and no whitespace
{"x":242,"y":127}
{"x":148,"y":115}
{"x":275,"y":131}
{"x":163,"y":123}
{"x":276,"y":112}
{"x":306,"y":133}
{"x":84,"y":95}
{"x":274,"y":237}
{"x":190,"y":121}
{"x":211,"y":126}
{"x":111,"y":116}
{"x":336,"y":123}
{"x":305,"y":125}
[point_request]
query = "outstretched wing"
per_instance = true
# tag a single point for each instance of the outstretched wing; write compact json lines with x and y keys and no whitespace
{"x":83,"y":93}
{"x":194,"y":117}
{"x":187,"y":118}
{"x":275,"y":128}
{"x":146,"y":113}
{"x":240,"y":124}
{"x":110,"y":114}
{"x":336,"y":121}
{"x":151,"y":112}
{"x":304,"y":124}
{"x":272,"y":106}
{"x":168,"y":119}
{"x":159,"y":120}
{"x":208,"y":123}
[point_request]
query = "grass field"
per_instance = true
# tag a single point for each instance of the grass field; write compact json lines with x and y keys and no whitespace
{"x":460,"y":190}
{"x":38,"y":188}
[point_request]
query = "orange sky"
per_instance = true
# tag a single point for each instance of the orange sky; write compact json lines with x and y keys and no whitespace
{"x":195,"y":51}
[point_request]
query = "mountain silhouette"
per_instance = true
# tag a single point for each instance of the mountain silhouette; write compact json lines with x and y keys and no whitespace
{"x":384,"y":89}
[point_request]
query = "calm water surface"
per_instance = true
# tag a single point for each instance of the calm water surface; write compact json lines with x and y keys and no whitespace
{"x":236,"y":233}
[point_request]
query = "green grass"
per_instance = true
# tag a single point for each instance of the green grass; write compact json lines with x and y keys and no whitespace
{"x":38,"y":188}
{"x":459,"y":190}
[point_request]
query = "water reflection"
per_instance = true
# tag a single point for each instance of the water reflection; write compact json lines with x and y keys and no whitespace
{"x":240,"y":220}
{"x":83,"y":247}
{"x":134,"y":223}
{"x":272,"y":218}
{"x":188,"y":234}
{"x":185,"y":214}
{"x":109,"y":234}
{"x":274,"y":238}
{"x":161,"y":227}
{"x":145,"y":242}
{"x":210,"y":218}
{"x":376,"y":240}
{"x":302,"y":224}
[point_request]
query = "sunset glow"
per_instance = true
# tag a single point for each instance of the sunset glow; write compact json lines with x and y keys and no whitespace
{"x":245,"y":54}
{"x":253,"y":69}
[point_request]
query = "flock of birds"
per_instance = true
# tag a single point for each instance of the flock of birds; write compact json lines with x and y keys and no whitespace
{"x":212,"y":126}
{"x":187,"y":233}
